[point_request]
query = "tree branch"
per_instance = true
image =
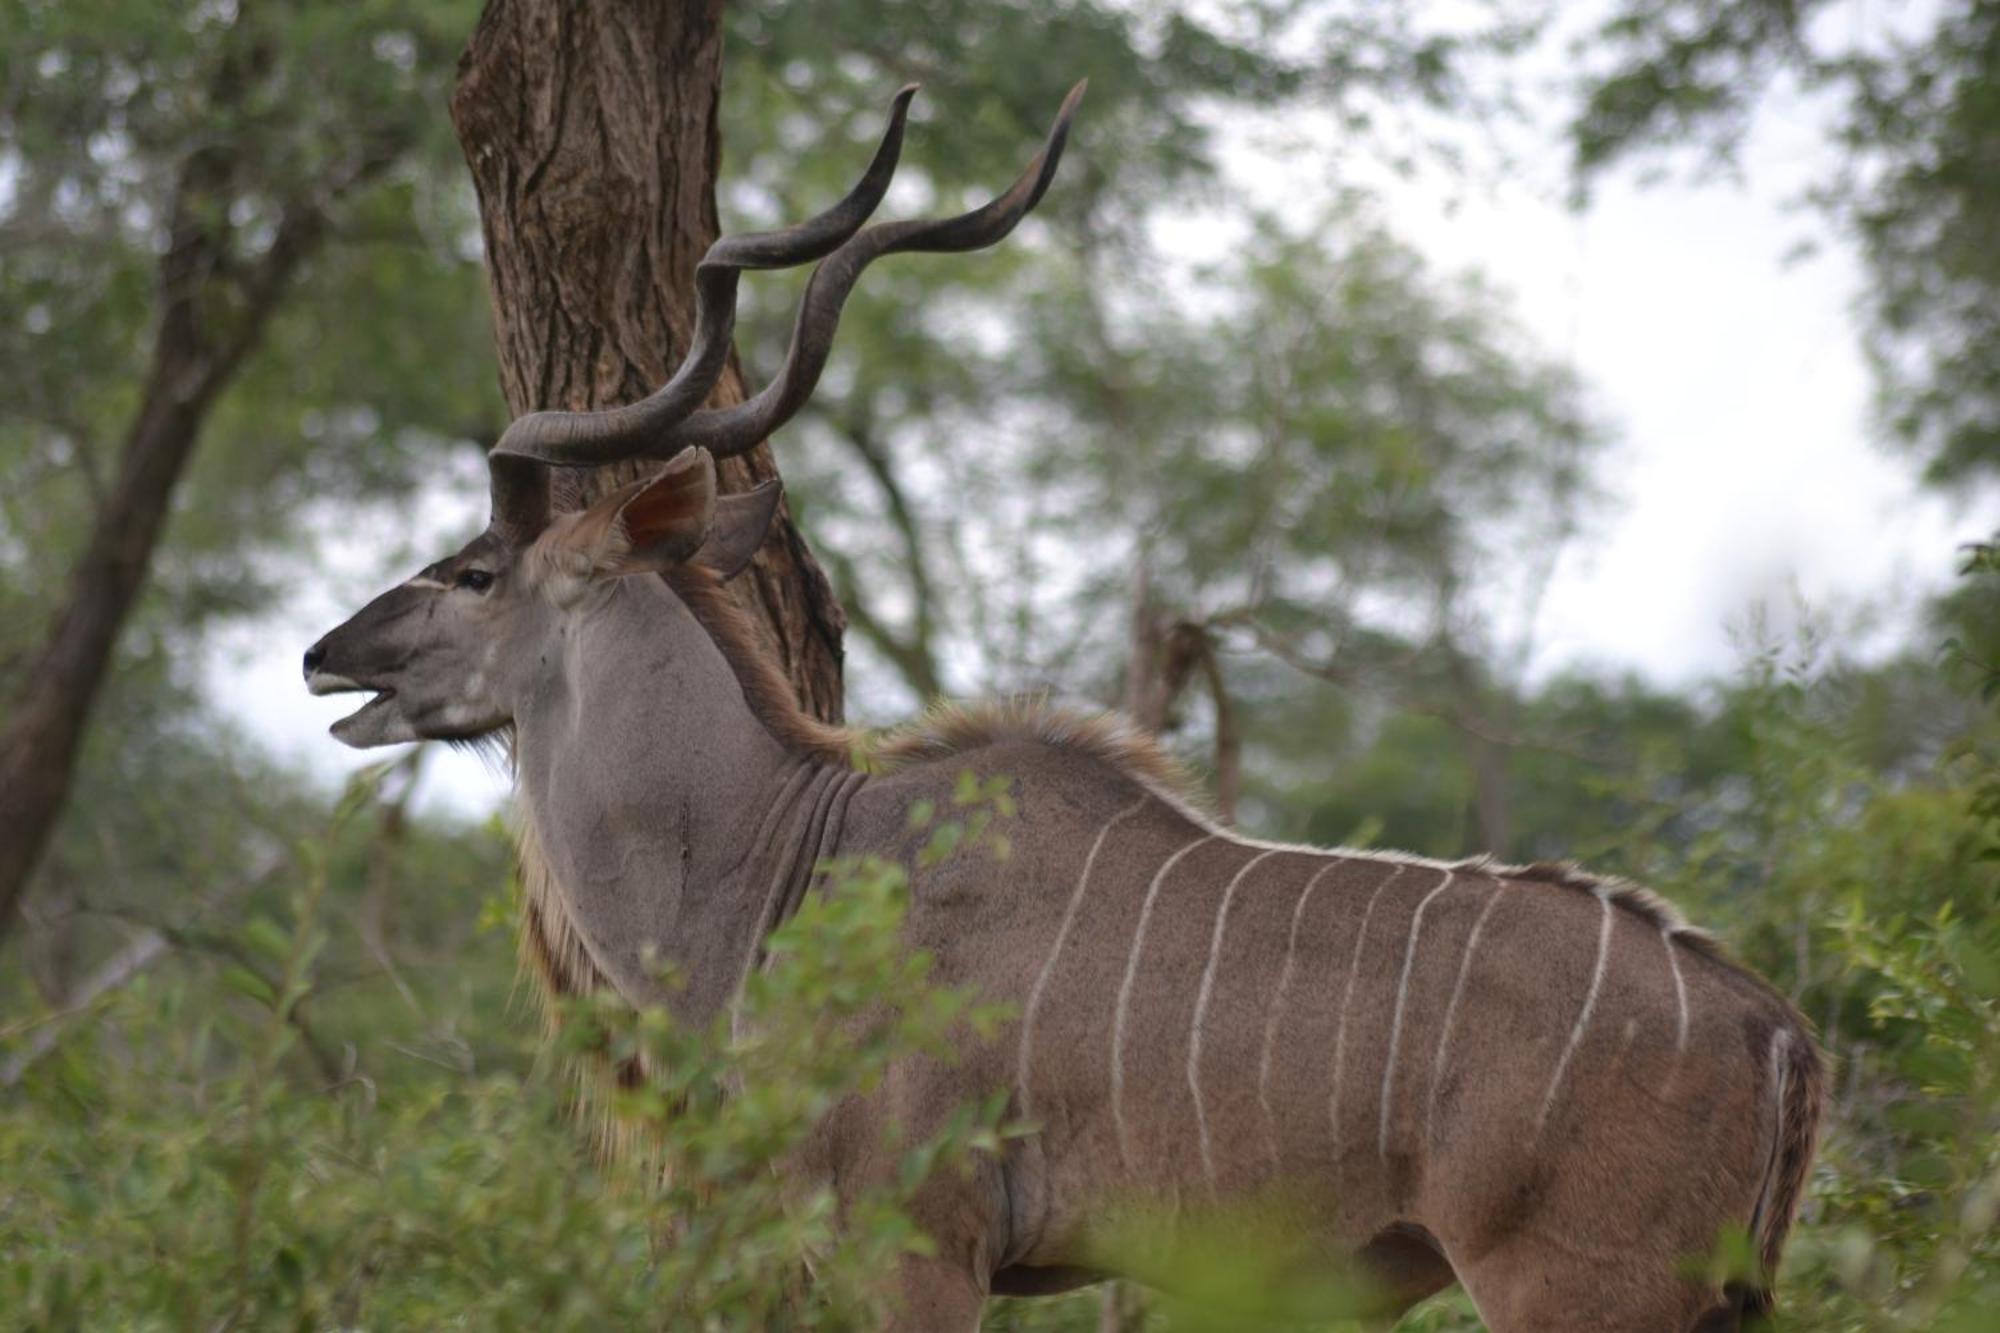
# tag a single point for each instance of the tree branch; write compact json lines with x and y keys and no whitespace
{"x":917,"y":658}
{"x":1228,"y":734}
{"x":912,"y":662}
{"x":118,"y":970}
{"x":213,"y":311}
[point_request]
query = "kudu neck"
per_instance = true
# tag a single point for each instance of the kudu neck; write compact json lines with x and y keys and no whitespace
{"x":646,"y":774}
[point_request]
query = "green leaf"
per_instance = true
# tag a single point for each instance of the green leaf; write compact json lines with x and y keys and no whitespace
{"x":245,"y":982}
{"x":266,"y":938}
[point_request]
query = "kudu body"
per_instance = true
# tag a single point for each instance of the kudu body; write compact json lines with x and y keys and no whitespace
{"x":1539,"y":1084}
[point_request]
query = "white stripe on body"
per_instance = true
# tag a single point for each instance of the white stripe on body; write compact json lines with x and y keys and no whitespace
{"x":1278,"y":1007}
{"x":1201,"y":1010}
{"x":1781,"y":1041}
{"x":1451,"y":1009}
{"x":1125,"y":998}
{"x":1055,"y":951}
{"x":1347,"y":996}
{"x":1396,"y":1022}
{"x":1680,"y":989}
{"x":1589,"y":1004}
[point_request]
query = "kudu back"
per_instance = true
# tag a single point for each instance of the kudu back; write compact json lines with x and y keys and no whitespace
{"x":1537,"y":1083}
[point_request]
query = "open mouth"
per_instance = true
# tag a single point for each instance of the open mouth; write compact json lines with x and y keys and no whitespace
{"x":325,"y":682}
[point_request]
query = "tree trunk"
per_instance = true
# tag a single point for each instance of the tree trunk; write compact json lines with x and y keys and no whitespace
{"x":590,"y":127}
{"x":45,"y":727}
{"x":207,"y":326}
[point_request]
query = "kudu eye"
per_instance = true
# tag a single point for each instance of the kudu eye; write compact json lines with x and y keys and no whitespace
{"x":478,"y":580}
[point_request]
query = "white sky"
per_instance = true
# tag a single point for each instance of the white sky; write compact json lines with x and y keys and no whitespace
{"x":1744,"y":467}
{"x":1742,"y":470}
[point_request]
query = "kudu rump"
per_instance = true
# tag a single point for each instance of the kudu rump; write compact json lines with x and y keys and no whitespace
{"x":1540,"y":1084}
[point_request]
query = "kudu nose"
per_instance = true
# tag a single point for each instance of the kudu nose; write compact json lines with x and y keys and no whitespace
{"x":314,"y":656}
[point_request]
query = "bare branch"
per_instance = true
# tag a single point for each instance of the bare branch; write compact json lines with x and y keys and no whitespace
{"x":1228,"y":734}
{"x":921,"y":668}
{"x":116,"y":971}
{"x":911,"y":658}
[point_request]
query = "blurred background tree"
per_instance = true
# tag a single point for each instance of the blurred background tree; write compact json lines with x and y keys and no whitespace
{"x":1292,"y":506}
{"x":200,"y":208}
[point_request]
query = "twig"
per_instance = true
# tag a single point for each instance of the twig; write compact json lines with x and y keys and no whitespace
{"x":116,"y":971}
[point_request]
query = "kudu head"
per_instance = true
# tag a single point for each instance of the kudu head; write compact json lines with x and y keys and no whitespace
{"x":447,"y":653}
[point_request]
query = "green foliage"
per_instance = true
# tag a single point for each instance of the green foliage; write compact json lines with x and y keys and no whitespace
{"x":199,"y":1151}
{"x":1154,"y":72}
{"x":984,"y":411}
{"x":725,"y":1112}
{"x":982,"y":801}
{"x":126,"y":121}
{"x":315,"y":1106}
{"x":1873,"y":898}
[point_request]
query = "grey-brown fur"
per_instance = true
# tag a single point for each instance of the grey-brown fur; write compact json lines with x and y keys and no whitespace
{"x":664,"y":809}
{"x":1535,"y":1082}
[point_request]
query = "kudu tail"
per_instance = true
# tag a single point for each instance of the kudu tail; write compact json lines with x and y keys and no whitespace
{"x":1799,"y":1094}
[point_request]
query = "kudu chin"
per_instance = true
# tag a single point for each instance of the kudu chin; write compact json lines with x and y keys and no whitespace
{"x":1534,"y":1082}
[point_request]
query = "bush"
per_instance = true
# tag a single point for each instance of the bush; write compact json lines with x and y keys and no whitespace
{"x":185,"y":1160}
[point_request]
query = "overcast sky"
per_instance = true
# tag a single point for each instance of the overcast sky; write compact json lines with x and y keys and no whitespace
{"x":1742,"y":470}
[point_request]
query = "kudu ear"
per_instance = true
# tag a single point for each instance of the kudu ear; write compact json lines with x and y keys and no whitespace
{"x":650,"y":524}
{"x":738,"y":529}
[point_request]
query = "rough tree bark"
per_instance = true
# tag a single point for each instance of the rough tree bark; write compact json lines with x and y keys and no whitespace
{"x":591,"y":130}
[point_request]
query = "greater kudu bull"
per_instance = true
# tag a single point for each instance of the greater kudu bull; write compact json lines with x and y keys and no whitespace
{"x":1538,"y":1083}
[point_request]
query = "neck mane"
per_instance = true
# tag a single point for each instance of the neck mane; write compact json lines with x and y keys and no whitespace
{"x":944,"y":729}
{"x":765,"y":687}
{"x":948,"y":728}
